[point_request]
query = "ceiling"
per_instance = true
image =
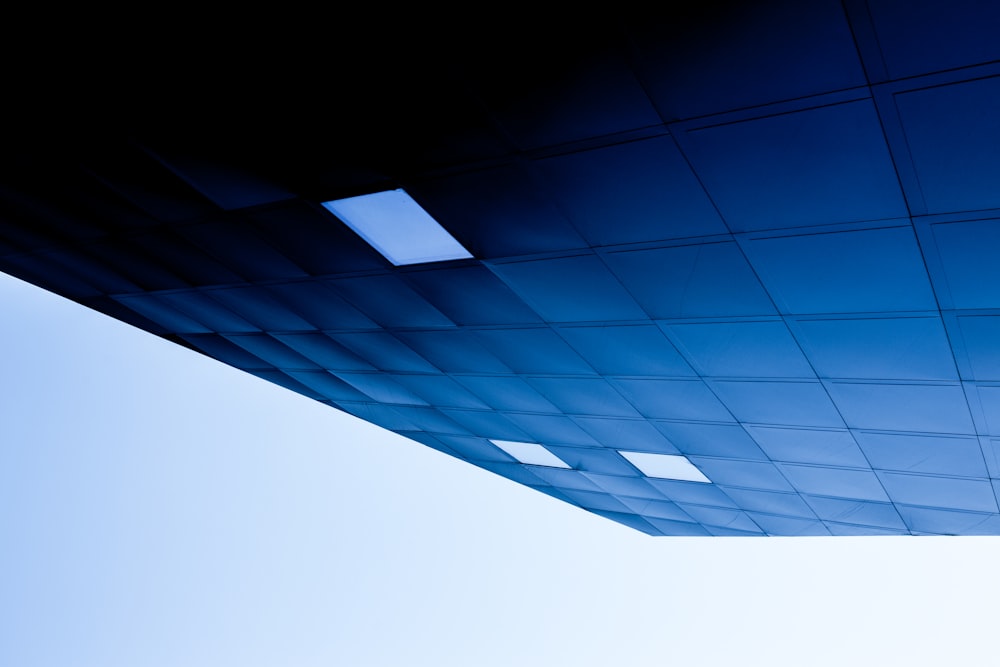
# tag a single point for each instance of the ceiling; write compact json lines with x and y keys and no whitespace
{"x":758,"y":235}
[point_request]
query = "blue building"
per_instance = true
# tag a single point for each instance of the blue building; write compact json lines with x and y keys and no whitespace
{"x":729,"y":273}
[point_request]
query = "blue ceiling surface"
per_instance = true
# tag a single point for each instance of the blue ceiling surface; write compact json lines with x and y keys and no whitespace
{"x":761,"y":236}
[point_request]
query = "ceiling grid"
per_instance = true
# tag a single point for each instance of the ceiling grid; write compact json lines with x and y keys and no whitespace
{"x":756,"y":237}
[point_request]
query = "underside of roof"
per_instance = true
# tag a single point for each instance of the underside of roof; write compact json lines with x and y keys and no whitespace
{"x":757,"y":239}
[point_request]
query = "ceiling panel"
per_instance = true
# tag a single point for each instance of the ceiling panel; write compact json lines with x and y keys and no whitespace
{"x":693,"y":492}
{"x":239,"y":248}
{"x":872,"y":270}
{"x":583,"y":396}
{"x":921,"y":36}
{"x":816,"y":446}
{"x":979,"y":334}
{"x":722,"y":518}
{"x":627,"y":350}
{"x":474,"y":206}
{"x":533,"y":351}
{"x":389,"y":301}
{"x":634,"y":435}
{"x":672,"y":399}
{"x":327,"y":385}
{"x":708,"y":280}
{"x":208,"y":311}
{"x":384,"y":351}
{"x":551,"y":429}
{"x":261,"y":309}
{"x":319,"y":305}
{"x":811,"y":167}
{"x":510,"y":394}
{"x":439,"y":390}
{"x":911,"y":348}
{"x":938,"y":491}
{"x":741,"y":349}
{"x":934,"y":408}
{"x":570,"y":289}
{"x":471,"y":295}
{"x":955,"y":143}
{"x":745,"y":474}
{"x":708,"y":57}
{"x":835,"y":482}
{"x":923,"y":453}
{"x":651,"y":193}
{"x":779,"y":403}
{"x":585,"y":86}
{"x":989,"y":401}
{"x":272,"y":351}
{"x":865,"y":513}
{"x":722,"y":440}
{"x":453,"y":351}
{"x":967,"y":255}
{"x":785,"y":503}
{"x":595,"y":460}
{"x":160,"y":311}
{"x":947,"y":522}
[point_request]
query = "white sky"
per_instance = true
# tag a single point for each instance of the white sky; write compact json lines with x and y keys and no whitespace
{"x":159,"y":508}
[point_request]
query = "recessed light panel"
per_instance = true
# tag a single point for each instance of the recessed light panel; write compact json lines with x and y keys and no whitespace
{"x":665,"y":466}
{"x":395,"y":225}
{"x":529,"y":452}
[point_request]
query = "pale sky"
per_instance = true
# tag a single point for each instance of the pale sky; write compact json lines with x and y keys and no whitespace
{"x":159,"y":508}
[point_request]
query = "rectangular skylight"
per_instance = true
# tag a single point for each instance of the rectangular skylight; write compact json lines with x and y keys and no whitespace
{"x":395,"y":225}
{"x":665,"y":466}
{"x":529,"y":452}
